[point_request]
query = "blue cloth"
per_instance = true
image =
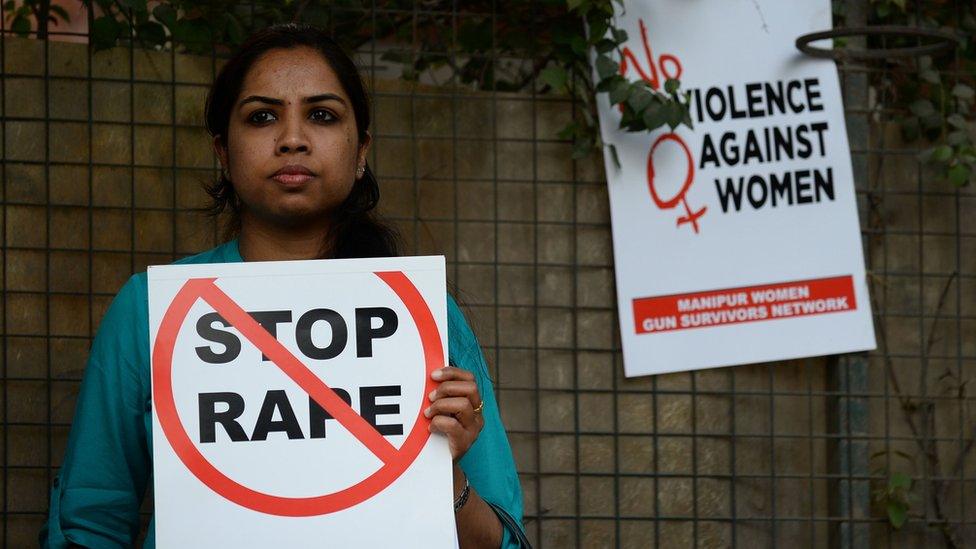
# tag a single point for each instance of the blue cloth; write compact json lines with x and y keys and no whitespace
{"x":108,"y":461}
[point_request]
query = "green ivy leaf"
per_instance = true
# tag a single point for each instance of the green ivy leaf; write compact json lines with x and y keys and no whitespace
{"x":619,"y":35}
{"x":671,"y":86}
{"x":959,"y":175}
{"x":576,"y":4}
{"x":922,"y":108}
{"x":598,"y":30}
{"x":931,"y":76}
{"x":640,"y":99}
{"x":620,"y":93}
{"x":606,"y":67}
{"x":605,"y":46}
{"x":151,"y":33}
{"x":568,"y":131}
{"x":897,"y":513}
{"x":957,"y":120}
{"x":957,"y":137}
{"x":555,"y":77}
{"x":165,"y":14}
{"x":105,"y":32}
{"x":675,"y":114}
{"x":235,"y":31}
{"x":193,"y":33}
{"x":61,"y":12}
{"x":899,"y":481}
{"x":21,"y":26}
{"x":942,"y":153}
{"x":655,"y":115}
{"x":964,"y":92}
{"x":578,"y":44}
{"x":607,"y":85}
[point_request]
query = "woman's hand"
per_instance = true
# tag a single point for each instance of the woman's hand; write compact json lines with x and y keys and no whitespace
{"x":455,"y":409}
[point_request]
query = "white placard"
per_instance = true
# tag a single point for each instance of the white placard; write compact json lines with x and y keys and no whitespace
{"x":254,"y":443}
{"x":736,"y":241}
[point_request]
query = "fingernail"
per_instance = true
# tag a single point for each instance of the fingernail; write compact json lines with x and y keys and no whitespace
{"x":427,"y":412}
{"x":431,"y":395}
{"x":437,"y":374}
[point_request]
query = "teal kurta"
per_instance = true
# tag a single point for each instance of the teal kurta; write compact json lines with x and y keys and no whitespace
{"x":108,"y":462}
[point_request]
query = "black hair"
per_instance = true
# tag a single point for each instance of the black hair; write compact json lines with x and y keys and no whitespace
{"x":356,"y":230}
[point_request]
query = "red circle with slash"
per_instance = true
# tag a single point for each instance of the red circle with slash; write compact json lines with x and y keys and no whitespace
{"x":395,"y":460}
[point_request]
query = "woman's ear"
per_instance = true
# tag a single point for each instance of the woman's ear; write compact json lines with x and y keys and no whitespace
{"x":221,"y":151}
{"x":363,"y":150}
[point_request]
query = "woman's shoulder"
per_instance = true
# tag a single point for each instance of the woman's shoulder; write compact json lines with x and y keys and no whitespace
{"x":127,"y":315}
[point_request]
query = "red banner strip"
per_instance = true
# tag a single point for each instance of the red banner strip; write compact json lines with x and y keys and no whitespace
{"x":745,"y":304}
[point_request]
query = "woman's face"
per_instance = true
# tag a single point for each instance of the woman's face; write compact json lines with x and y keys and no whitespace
{"x":292,"y":149}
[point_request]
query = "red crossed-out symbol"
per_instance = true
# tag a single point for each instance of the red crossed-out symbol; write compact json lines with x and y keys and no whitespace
{"x":670,"y":67}
{"x":395,"y":460}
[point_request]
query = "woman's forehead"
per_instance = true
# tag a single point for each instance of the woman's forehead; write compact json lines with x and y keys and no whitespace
{"x":291,"y":74}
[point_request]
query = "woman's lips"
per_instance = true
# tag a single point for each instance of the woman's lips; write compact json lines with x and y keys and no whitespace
{"x":293,"y":174}
{"x":291,"y":178}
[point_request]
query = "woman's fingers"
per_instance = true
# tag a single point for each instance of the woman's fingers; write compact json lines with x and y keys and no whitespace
{"x":452,"y":408}
{"x":467,"y":389}
{"x":450,"y":426}
{"x":449,"y":373}
{"x":458,"y":407}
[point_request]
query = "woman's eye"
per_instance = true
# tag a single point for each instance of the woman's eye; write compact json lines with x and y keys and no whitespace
{"x":322,"y":115}
{"x":261,"y":117}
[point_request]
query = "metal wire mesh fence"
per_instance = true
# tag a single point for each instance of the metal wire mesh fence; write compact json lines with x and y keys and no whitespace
{"x":103,"y":157}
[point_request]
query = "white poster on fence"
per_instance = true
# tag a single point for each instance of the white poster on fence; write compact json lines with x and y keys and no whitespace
{"x":736,"y":241}
{"x":288,"y":403}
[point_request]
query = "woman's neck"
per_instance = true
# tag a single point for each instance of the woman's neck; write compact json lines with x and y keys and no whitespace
{"x":262,"y":242}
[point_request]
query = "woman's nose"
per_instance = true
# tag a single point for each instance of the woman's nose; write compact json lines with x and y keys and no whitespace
{"x":292,"y":138}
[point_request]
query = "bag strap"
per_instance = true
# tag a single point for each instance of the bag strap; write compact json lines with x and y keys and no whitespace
{"x":511,"y":525}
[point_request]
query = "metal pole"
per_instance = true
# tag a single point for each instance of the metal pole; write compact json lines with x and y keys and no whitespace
{"x":847,"y":375}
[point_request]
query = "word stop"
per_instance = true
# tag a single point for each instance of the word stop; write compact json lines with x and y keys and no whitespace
{"x":277,"y":413}
{"x":269,"y":320}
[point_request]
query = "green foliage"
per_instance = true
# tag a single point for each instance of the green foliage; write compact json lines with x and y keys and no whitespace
{"x":643,"y":107}
{"x":894,"y":497}
{"x":934,"y":95}
{"x":19,"y":16}
{"x":543,"y":46}
{"x":896,"y":500}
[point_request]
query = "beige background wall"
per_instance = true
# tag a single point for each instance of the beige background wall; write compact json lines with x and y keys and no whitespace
{"x":103,"y":160}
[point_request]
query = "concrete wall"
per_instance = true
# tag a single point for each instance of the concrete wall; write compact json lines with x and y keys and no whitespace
{"x":103,"y":164}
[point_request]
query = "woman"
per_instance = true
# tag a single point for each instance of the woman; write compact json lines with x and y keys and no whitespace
{"x":289,"y":118}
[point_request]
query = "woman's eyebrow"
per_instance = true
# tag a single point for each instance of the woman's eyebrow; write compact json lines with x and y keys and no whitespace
{"x":279,"y":102}
{"x":324,"y":97}
{"x":260,"y":99}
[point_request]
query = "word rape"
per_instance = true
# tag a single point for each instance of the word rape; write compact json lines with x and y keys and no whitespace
{"x":277,"y":413}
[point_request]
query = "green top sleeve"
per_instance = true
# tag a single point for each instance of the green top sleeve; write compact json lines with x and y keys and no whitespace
{"x":95,"y":499}
{"x":488,"y":463}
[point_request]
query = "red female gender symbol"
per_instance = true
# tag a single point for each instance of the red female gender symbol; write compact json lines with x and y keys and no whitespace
{"x":670,"y":67}
{"x":690,"y":216}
